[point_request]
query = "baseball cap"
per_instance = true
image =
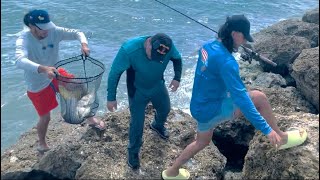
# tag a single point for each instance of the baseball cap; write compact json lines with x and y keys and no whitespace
{"x":240,"y":23}
{"x":161,"y":45}
{"x":41,"y":19}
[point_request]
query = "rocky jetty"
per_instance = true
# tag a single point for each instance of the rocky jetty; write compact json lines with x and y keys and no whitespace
{"x":237,"y":151}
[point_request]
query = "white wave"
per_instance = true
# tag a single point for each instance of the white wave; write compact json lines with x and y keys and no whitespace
{"x":282,"y":19}
{"x":21,"y":96}
{"x":25,"y":28}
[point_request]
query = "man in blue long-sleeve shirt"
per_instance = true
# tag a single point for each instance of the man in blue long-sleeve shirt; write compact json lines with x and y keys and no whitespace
{"x":219,"y":95}
{"x":145,"y":60}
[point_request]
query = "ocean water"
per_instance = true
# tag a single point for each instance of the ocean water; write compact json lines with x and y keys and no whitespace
{"x":108,"y":23}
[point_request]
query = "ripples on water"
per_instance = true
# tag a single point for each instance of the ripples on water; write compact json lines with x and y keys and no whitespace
{"x":108,"y":24}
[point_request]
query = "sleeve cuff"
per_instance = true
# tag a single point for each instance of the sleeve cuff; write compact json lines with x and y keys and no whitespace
{"x":267,"y":131}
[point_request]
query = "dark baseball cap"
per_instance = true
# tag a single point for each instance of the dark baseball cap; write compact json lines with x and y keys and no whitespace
{"x":161,"y":45}
{"x":240,"y":23}
{"x":41,"y":19}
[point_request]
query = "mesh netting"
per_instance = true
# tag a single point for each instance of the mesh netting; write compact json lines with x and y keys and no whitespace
{"x":78,"y":83}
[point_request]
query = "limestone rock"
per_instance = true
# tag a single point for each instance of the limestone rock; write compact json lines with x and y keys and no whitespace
{"x":305,"y":71}
{"x":311,"y":16}
{"x":263,"y":161}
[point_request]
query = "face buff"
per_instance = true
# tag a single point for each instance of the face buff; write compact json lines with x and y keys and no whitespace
{"x":159,"y":51}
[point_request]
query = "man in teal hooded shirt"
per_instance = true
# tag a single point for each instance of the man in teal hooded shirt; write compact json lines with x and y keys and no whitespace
{"x":145,"y":60}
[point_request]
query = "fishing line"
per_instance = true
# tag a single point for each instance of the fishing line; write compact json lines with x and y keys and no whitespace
{"x":248,"y":50}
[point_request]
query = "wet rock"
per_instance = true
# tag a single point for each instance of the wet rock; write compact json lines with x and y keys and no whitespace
{"x":311,"y":16}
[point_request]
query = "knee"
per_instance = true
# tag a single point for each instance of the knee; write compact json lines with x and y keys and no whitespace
{"x":45,"y":118}
{"x":202,"y":144}
{"x":258,"y":97}
{"x":165,"y":111}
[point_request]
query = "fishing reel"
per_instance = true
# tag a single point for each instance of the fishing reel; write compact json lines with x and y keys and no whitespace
{"x":248,"y":54}
{"x":246,"y":57}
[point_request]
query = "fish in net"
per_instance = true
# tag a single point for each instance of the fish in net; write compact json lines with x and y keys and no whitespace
{"x":79,"y":79}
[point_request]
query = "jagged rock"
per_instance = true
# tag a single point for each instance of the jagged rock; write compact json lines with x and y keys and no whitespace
{"x":287,"y":100}
{"x":249,"y":71}
{"x":290,"y":80}
{"x":81,"y":153}
{"x":290,"y":27}
{"x":269,"y":80}
{"x":237,"y":134}
{"x":282,"y":50}
{"x":284,"y":41}
{"x":25,"y":152}
{"x":265,"y":162}
{"x":311,"y":16}
{"x":94,"y":155}
{"x":305,"y":71}
{"x":61,"y":162}
{"x":32,"y":175}
{"x":229,"y":175}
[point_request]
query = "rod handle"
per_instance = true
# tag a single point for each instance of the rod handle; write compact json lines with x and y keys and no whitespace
{"x":267,"y":60}
{"x":257,"y":55}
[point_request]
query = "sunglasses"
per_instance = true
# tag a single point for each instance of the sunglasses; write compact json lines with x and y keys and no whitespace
{"x":160,"y":48}
{"x":38,"y":27}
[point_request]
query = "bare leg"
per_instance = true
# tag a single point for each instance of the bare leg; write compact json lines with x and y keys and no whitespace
{"x":202,"y":140}
{"x":42,"y":128}
{"x":263,"y":106}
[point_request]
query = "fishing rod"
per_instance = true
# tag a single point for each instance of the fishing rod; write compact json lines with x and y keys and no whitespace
{"x":247,"y":50}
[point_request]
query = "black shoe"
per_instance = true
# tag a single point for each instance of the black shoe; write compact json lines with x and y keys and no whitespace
{"x":163,"y":133}
{"x":133,"y":160}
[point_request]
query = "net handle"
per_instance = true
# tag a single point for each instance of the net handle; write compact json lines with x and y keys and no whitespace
{"x":84,"y":58}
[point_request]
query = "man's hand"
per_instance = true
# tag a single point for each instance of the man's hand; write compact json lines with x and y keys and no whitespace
{"x":50,"y":71}
{"x":112,"y":105}
{"x":174,"y":85}
{"x":274,"y":138}
{"x":85,"y":50}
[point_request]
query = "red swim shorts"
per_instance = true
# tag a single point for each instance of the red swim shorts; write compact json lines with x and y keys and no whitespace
{"x":45,"y":100}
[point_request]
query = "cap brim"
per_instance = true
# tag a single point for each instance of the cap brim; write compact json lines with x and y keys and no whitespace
{"x":249,"y":38}
{"x":46,"y":26}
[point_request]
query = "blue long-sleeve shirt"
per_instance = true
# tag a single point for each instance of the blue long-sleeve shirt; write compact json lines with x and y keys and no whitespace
{"x":217,"y":73}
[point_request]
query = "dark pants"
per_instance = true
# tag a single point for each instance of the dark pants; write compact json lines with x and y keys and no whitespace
{"x":137,"y":103}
